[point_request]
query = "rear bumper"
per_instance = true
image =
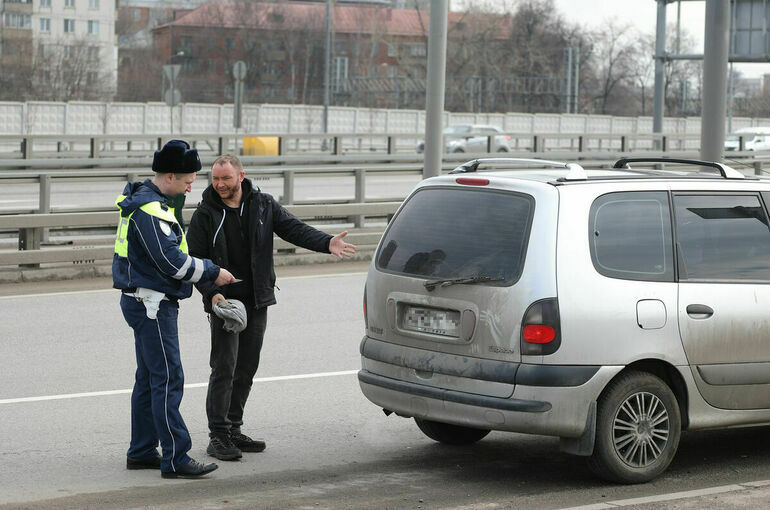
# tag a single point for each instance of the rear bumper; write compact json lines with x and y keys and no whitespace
{"x":550,"y":400}
{"x":459,"y":397}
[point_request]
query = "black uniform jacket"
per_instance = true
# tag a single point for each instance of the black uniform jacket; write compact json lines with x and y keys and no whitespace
{"x":206,"y":238}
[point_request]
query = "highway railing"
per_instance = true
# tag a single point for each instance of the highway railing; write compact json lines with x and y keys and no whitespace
{"x":31,"y":254}
{"x":34,"y":147}
{"x":32,"y":224}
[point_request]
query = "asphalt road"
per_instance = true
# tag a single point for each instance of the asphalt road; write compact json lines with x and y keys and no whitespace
{"x":65,"y":385}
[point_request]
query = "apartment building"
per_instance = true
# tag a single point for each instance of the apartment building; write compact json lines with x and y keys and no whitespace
{"x":62,"y":47}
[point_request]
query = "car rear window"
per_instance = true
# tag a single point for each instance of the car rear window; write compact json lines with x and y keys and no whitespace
{"x":453,"y":233}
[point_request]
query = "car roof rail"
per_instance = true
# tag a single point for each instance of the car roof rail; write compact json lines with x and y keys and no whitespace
{"x":726,"y":171}
{"x":576,"y":172}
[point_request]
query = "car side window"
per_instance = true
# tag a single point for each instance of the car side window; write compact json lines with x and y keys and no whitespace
{"x":722,"y":237}
{"x":630,"y":236}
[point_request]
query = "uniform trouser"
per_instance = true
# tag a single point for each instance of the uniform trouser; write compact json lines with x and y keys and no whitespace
{"x":158,"y":386}
{"x":234,"y":361}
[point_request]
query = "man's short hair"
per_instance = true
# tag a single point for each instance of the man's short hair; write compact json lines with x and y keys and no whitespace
{"x":229,"y":158}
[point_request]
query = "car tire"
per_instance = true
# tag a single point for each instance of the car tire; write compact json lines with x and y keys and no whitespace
{"x":638,"y":425}
{"x":502,"y":149}
{"x":450,"y":434}
{"x":457,"y":151}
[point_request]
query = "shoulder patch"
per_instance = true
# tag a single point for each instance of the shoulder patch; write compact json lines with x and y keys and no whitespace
{"x":165,"y":227}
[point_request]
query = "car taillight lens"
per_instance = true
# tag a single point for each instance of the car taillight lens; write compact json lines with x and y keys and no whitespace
{"x":540,"y":328}
{"x":539,"y":334}
{"x":366,"y":318}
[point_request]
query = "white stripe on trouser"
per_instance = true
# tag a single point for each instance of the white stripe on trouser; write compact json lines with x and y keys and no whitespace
{"x":165,"y":400}
{"x":180,"y":274}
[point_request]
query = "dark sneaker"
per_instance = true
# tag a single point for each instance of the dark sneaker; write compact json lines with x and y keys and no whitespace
{"x":221,"y":447}
{"x":247,"y":444}
{"x":192,"y":469}
{"x":151,"y":463}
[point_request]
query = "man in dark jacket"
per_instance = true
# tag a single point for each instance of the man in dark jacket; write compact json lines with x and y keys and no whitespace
{"x":234,"y":226}
{"x":153,"y":270}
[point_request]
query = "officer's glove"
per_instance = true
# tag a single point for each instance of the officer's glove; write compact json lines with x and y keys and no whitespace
{"x":233,"y":313}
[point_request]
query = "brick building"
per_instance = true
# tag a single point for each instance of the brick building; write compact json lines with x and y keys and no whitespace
{"x":376,"y":51}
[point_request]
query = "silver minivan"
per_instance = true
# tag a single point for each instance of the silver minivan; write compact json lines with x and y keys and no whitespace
{"x":610,"y":308}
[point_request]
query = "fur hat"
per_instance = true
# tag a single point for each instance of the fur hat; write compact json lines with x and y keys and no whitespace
{"x":176,"y":157}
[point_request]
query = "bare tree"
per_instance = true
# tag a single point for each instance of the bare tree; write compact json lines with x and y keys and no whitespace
{"x":66,"y":71}
{"x":614,"y":67}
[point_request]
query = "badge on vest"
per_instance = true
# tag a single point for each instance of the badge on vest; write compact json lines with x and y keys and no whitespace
{"x":165,"y":227}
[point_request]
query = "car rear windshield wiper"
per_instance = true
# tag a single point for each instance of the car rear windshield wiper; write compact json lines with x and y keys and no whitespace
{"x":431,"y":284}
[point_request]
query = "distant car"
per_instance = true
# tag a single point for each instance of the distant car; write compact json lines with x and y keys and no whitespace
{"x":754,"y":139}
{"x":472,"y":138}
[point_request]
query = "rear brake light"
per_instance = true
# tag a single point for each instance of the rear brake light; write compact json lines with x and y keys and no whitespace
{"x":366,"y":318}
{"x":539,"y":333}
{"x":472,"y":181}
{"x":541,"y":328}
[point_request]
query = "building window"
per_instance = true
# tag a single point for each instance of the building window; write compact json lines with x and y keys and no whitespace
{"x":137,"y":15}
{"x":45,"y":24}
{"x":93,"y":53}
{"x":93,"y":27}
{"x":45,"y":3}
{"x":230,"y":43}
{"x":392,"y":50}
{"x":69,"y":26}
{"x":14,"y":20}
{"x":93,"y":4}
{"x":69,"y":3}
{"x":417,"y":50}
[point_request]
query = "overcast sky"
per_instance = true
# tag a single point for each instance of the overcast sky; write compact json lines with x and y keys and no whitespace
{"x":642,"y":14}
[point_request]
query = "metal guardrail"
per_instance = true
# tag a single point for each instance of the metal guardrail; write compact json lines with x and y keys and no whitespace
{"x":31,"y":253}
{"x":31,"y":224}
{"x":110,"y":146}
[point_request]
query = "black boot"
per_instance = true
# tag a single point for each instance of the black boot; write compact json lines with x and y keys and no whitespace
{"x":222,"y":447}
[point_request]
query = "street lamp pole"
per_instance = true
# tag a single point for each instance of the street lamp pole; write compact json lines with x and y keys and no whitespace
{"x":327,"y":58}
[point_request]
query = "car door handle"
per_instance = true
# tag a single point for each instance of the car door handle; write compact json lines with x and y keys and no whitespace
{"x":699,"y":311}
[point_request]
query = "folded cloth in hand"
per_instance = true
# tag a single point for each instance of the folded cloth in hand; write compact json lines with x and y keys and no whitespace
{"x":233,"y":313}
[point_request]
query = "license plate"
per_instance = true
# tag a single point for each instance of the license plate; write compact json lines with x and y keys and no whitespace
{"x":432,"y":320}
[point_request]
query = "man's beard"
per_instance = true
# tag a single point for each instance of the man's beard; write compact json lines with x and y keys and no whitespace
{"x":229,"y":193}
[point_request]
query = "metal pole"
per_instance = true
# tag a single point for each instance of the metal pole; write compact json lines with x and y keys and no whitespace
{"x":660,"y":53}
{"x":434,"y":108}
{"x":716,"y":44}
{"x":327,"y":63}
{"x":730,"y":96}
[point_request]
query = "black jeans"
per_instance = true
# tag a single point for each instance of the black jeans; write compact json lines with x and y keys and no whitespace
{"x":234,"y":361}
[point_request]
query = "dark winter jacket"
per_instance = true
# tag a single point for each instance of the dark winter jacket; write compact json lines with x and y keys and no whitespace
{"x":154,"y":259}
{"x":206,"y":238}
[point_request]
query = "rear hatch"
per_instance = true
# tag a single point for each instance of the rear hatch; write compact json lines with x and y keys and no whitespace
{"x":448,"y":286}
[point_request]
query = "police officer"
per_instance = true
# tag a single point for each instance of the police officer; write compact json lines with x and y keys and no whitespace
{"x":153,"y":270}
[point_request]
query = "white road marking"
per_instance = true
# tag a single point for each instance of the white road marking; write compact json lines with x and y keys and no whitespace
{"x":186,"y":386}
{"x":671,"y":496}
